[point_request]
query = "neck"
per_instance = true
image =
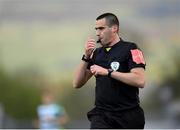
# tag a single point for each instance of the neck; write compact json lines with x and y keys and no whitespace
{"x":115,"y":40}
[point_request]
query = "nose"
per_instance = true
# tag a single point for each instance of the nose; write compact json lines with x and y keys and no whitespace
{"x":97,"y":32}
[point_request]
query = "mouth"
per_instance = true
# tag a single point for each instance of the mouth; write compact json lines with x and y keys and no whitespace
{"x":99,"y":40}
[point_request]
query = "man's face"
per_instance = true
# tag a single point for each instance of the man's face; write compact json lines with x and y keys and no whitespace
{"x":103,"y":32}
{"x":47,"y":98}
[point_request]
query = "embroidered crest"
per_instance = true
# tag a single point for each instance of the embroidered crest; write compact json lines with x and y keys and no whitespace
{"x":137,"y":56}
{"x":115,"y":65}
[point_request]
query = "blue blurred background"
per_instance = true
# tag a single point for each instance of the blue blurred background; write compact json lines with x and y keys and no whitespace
{"x":42,"y":41}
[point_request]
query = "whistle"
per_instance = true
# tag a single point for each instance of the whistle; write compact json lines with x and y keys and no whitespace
{"x":98,"y":41}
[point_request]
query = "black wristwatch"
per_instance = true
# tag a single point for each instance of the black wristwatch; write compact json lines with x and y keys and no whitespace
{"x":85,"y":59}
{"x":109,"y":72}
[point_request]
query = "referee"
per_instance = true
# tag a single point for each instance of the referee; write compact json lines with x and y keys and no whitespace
{"x":118,"y":67}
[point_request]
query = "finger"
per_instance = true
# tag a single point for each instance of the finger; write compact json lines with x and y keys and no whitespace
{"x":96,"y":73}
{"x":90,"y":45}
{"x":92,"y":66}
{"x":93,"y":72}
{"x":90,"y":49}
{"x":91,"y":40}
{"x":92,"y":69}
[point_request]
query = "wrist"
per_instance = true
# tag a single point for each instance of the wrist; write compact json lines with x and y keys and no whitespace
{"x":85,"y":58}
{"x":109,"y":72}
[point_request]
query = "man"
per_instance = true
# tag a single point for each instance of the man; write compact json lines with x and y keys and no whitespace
{"x":51,"y":115}
{"x":118,"y":67}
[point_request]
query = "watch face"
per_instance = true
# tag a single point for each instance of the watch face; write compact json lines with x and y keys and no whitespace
{"x":115,"y":65}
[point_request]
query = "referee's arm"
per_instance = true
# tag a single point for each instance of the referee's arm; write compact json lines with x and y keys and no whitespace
{"x":82,"y":75}
{"x":136,"y":77}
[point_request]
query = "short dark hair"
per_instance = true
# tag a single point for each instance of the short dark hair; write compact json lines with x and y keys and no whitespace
{"x":111,"y":19}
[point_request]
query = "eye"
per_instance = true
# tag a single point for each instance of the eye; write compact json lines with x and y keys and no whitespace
{"x":100,"y":28}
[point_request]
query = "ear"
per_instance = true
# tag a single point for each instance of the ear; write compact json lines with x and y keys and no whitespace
{"x":114,"y":28}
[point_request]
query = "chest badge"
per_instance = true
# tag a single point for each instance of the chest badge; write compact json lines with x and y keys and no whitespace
{"x":115,"y":65}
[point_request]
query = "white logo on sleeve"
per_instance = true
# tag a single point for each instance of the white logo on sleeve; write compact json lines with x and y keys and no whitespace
{"x":115,"y":65}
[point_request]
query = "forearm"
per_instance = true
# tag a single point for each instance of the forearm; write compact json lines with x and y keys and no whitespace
{"x":133,"y":79}
{"x":81,"y":75}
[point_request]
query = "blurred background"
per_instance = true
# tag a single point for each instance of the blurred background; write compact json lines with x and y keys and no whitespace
{"x":42,"y":42}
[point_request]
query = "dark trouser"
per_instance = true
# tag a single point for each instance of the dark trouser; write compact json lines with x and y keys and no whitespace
{"x":129,"y":119}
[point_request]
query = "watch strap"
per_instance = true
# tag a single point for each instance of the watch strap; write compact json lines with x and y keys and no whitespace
{"x":109,"y":72}
{"x":85,"y":59}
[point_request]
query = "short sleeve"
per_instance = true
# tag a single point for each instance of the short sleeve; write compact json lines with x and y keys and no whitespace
{"x":135,"y":57}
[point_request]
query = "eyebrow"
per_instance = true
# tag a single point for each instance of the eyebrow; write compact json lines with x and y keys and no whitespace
{"x":100,"y":28}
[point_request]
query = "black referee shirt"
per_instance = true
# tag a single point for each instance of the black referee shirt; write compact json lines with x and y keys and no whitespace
{"x":111,"y":94}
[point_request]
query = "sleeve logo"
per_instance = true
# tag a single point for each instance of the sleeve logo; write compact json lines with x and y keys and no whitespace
{"x":137,"y":56}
